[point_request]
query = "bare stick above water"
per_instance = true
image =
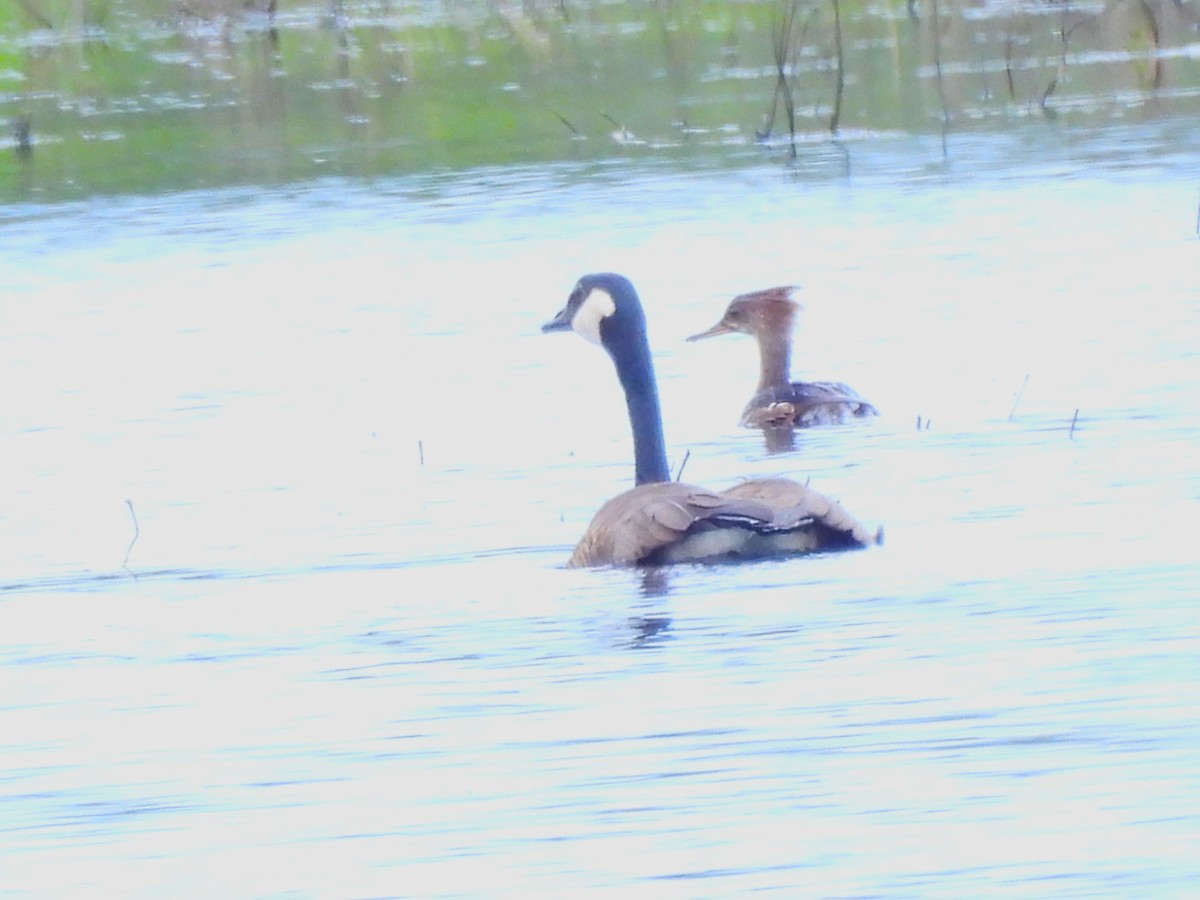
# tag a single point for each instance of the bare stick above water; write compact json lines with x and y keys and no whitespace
{"x":784,"y":44}
{"x":937,"y":68}
{"x":563,"y":119}
{"x":1013,"y":411}
{"x":23,"y":137}
{"x":421,"y":453}
{"x":840,"y":88}
{"x":41,"y":20}
{"x":623,"y":132}
{"x":1064,"y":35}
{"x":1008,"y":67}
{"x":1152,"y":26}
{"x":1074,"y":419}
{"x":136,"y":533}
{"x":686,"y":456}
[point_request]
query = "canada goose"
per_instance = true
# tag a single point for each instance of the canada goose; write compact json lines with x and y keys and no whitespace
{"x":768,"y":316}
{"x":662,"y":521}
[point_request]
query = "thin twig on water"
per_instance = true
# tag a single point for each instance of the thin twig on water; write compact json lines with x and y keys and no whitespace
{"x":937,"y":68}
{"x":1155,"y":37}
{"x":136,"y":533}
{"x":1013,"y":411}
{"x":1008,"y":67}
{"x":1064,"y":37}
{"x":840,"y":88}
{"x":23,"y":137}
{"x":1074,"y":419}
{"x":782,"y":38}
{"x":622,"y":134}
{"x":421,"y":453}
{"x":42,"y":21}
{"x":686,"y":456}
{"x":563,"y":119}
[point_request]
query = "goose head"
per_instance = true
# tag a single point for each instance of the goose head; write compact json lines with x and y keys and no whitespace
{"x":770,"y":311}
{"x":603,"y":309}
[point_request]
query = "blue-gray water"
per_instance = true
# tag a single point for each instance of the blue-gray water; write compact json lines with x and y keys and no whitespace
{"x":342,"y":657}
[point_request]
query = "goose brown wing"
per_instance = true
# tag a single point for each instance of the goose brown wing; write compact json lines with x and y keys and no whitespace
{"x":794,"y":505}
{"x":639,"y":523}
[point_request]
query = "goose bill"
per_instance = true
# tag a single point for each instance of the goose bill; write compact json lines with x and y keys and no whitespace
{"x":561,"y":322}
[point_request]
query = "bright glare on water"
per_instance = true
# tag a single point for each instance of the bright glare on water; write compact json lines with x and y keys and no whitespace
{"x":291,"y":476}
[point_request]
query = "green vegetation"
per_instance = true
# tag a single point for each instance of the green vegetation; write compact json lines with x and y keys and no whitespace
{"x":121,"y":96}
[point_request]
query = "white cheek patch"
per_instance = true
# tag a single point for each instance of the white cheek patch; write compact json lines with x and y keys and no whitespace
{"x":595,"y":308}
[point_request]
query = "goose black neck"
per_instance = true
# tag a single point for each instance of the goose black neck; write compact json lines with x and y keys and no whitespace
{"x":635,"y":369}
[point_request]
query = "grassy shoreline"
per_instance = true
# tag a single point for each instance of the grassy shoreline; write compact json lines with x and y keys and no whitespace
{"x":120,"y":99}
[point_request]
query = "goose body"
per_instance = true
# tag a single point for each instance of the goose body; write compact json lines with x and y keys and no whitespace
{"x":769,"y":316}
{"x":659,"y":521}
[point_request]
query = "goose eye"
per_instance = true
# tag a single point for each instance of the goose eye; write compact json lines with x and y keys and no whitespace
{"x":576,"y":297}
{"x":593,"y":307}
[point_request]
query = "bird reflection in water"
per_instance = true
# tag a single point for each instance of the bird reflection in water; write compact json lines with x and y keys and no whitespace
{"x":653,"y":625}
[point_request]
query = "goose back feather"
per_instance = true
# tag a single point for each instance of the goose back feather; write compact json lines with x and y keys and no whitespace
{"x":672,"y":522}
